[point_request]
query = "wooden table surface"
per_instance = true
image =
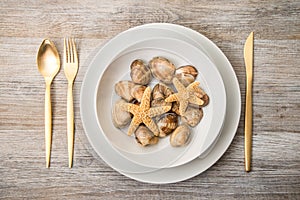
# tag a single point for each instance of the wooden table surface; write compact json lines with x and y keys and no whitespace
{"x":276,"y":106}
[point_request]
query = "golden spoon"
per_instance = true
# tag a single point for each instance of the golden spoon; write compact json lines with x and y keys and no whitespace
{"x":48,"y":63}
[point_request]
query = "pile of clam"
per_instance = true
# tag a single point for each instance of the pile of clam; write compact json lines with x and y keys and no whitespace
{"x":173,"y":122}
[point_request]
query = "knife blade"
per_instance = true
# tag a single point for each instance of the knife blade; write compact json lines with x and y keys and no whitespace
{"x":248,"y":58}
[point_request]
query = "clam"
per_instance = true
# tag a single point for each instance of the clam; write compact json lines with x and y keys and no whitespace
{"x":186,"y":74}
{"x":139,"y":72}
{"x":160,"y":102}
{"x":166,"y":123}
{"x":123,"y":89}
{"x":161,"y":91}
{"x":192,"y":116}
{"x":180,"y":136}
{"x":144,"y":136}
{"x":175,"y":107}
{"x":137,"y":92}
{"x":120,"y":118}
{"x":202,"y":95}
{"x":162,"y":69}
{"x":205,"y":98}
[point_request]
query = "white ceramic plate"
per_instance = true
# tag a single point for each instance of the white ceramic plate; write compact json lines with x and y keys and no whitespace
{"x":183,"y":172}
{"x":180,"y":53}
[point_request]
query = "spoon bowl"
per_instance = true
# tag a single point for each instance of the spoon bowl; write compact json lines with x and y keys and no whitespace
{"x":48,"y":63}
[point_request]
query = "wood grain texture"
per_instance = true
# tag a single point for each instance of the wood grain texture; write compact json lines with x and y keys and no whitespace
{"x":276,"y":93}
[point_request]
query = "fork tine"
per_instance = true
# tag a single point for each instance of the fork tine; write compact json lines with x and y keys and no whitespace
{"x":71,"y":55}
{"x":74,"y":51}
{"x":65,"y":51}
{"x":70,"y":51}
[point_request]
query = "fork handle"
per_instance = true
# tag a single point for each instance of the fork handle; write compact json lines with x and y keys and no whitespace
{"x":70,"y":123}
{"x":48,"y":124}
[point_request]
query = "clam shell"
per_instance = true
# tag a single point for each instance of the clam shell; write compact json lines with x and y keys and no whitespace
{"x":180,"y":136}
{"x":162,"y":69}
{"x":160,"y":90}
{"x":120,"y":117}
{"x":202,"y":95}
{"x":123,"y":89}
{"x":139,"y":72}
{"x":175,"y":107}
{"x":186,"y":74}
{"x":192,"y":116}
{"x":160,"y":102}
{"x":144,"y":136}
{"x":137,"y":92}
{"x":166,"y":123}
{"x":205,"y":98}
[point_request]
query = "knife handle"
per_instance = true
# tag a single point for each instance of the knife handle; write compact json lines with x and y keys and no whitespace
{"x":248,"y":125}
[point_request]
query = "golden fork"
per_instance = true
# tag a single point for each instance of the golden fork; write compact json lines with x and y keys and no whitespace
{"x":70,"y":68}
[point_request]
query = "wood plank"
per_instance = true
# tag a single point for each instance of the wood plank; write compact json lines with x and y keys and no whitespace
{"x":276,"y":108}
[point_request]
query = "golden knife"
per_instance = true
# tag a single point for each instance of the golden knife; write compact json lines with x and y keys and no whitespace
{"x":248,"y":57}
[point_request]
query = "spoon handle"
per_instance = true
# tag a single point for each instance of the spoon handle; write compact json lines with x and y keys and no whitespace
{"x":70,"y":123}
{"x":48,"y":124}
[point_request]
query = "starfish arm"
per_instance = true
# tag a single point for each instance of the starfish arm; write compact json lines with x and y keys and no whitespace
{"x":178,"y":85}
{"x":195,"y":89}
{"x":145,"y":102}
{"x":158,"y":110}
{"x":182,"y":107}
{"x":199,"y":92}
{"x":193,"y":86}
{"x":129,"y":107}
{"x":172,"y":98}
{"x":195,"y":100}
{"x":151,"y":125}
{"x":133,"y":125}
{"x":132,"y":108}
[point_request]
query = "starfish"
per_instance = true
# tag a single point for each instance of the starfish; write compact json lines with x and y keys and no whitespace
{"x":185,"y":95}
{"x":143,"y":113}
